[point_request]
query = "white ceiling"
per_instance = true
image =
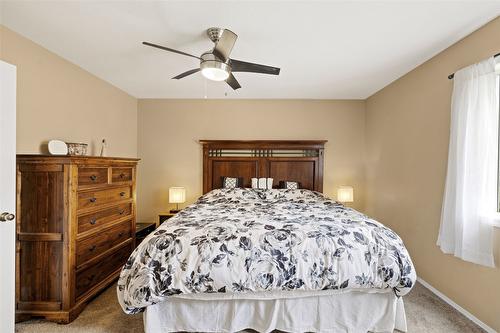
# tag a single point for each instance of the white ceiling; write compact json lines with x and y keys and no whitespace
{"x":326,"y":50}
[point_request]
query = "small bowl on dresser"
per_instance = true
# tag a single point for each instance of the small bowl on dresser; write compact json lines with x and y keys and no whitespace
{"x":77,"y":149}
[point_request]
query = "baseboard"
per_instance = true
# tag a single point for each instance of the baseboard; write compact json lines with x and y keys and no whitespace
{"x":457,"y":307}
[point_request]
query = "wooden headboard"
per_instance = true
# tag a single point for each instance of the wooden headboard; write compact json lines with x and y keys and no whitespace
{"x":291,"y":160}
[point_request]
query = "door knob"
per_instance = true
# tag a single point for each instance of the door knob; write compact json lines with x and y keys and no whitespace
{"x":4,"y":217}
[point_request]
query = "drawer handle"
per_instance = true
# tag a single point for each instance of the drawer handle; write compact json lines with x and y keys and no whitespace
{"x":93,"y":178}
{"x":122,"y":175}
{"x":91,"y":277}
{"x":122,"y":194}
{"x":94,"y":199}
{"x":120,"y":234}
{"x":93,"y":221}
{"x":92,"y":248}
{"x":121,"y":211}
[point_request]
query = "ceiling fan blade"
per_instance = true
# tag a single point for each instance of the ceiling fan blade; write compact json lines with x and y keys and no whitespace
{"x":225,"y":44}
{"x":169,"y":49}
{"x":192,"y":71}
{"x":231,"y":80}
{"x":243,"y":66}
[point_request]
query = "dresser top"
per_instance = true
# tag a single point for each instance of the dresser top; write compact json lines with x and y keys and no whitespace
{"x":41,"y":158}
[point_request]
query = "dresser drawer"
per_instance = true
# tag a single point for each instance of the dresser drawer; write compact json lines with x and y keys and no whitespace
{"x":92,"y":176}
{"x":90,"y":247}
{"x":91,"y":276}
{"x":119,"y":175}
{"x":95,"y":220}
{"x":100,"y":197}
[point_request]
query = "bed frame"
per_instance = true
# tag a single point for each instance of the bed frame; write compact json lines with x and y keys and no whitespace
{"x":290,"y":160}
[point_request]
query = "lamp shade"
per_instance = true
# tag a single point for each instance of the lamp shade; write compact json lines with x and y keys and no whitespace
{"x":345,"y":194}
{"x":176,"y":195}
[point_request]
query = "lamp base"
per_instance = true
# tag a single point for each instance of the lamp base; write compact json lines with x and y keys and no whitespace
{"x":174,"y":211}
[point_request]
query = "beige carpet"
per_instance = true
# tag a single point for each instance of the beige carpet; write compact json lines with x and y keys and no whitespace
{"x":425,"y":313}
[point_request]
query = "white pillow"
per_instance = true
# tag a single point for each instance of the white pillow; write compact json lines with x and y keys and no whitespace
{"x":262,"y":183}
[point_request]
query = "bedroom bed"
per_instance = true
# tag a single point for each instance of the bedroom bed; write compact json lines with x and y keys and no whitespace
{"x":286,"y":259}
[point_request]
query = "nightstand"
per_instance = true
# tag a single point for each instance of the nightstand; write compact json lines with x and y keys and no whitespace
{"x":142,"y":230}
{"x":162,"y":217}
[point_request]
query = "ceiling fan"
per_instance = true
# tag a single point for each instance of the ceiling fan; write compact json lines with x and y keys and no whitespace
{"x":215,"y":64}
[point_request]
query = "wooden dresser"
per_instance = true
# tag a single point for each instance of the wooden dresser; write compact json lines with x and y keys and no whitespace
{"x":75,"y":230}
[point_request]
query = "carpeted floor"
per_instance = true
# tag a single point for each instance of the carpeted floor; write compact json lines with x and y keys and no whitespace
{"x":424,"y":311}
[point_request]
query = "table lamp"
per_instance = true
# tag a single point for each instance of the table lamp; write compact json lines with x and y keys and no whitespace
{"x":345,"y":194}
{"x":176,"y":195}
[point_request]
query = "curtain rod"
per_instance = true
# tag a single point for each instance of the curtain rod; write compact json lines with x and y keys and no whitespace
{"x":452,"y":75}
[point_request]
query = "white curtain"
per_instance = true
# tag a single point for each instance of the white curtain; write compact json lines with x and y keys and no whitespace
{"x":470,"y":196}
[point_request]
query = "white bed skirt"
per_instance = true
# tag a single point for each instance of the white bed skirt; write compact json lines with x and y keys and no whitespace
{"x":353,"y":312}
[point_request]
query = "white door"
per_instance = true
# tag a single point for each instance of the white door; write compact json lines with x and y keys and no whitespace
{"x":7,"y":195}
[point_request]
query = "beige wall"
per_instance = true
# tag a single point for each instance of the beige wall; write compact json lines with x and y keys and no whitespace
{"x":59,"y":100}
{"x":407,"y":137}
{"x":169,"y":131}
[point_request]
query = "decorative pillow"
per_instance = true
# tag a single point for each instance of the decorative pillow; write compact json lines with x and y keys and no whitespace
{"x":289,"y":185}
{"x":262,"y":183}
{"x":232,"y":182}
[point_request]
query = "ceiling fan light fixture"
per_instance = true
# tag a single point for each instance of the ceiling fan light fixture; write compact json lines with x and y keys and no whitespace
{"x":215,"y":70}
{"x":215,"y":64}
{"x":215,"y":74}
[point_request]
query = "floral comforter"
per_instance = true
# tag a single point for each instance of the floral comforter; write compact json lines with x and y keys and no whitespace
{"x":247,"y":241}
